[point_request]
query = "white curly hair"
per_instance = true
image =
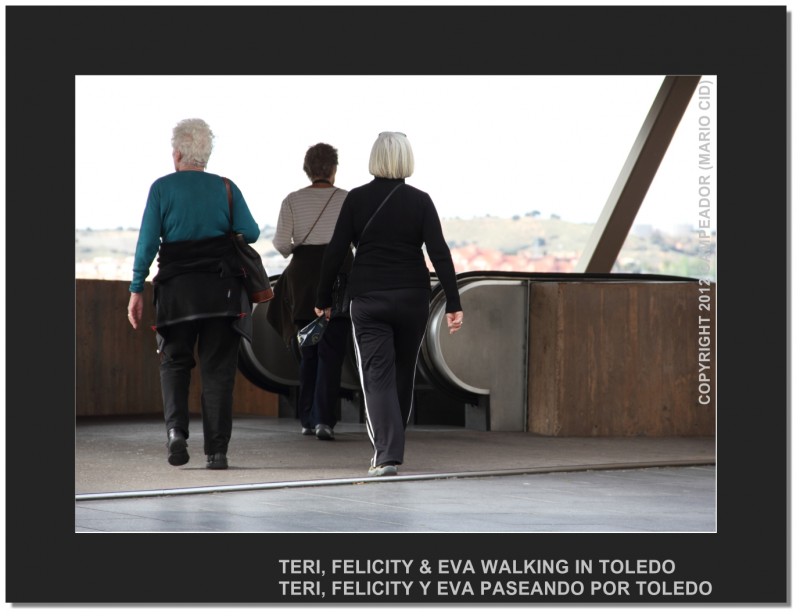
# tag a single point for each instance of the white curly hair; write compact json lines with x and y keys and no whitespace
{"x":194,"y":140}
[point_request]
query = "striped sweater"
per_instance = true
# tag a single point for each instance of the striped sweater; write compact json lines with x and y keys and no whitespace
{"x":298,"y":212}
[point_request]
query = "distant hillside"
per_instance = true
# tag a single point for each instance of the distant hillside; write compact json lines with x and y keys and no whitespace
{"x":528,"y":243}
{"x":525,"y":243}
{"x":512,"y":235}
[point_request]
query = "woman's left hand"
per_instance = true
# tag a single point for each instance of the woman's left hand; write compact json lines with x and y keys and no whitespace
{"x":454,"y":321}
{"x":326,"y":311}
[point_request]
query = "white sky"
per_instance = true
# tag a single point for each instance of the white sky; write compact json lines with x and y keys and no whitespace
{"x":483,"y":144}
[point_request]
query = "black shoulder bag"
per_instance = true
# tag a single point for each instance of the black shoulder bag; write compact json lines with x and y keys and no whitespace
{"x":256,"y":279}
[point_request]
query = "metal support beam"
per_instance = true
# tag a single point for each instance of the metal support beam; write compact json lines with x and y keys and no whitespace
{"x":637,"y":173}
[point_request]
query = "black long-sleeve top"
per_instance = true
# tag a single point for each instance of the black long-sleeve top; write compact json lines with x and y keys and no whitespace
{"x":390,"y":255}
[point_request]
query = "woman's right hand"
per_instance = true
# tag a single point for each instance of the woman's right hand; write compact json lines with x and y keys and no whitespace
{"x":326,"y":311}
{"x":135,"y":307}
{"x":454,"y":321}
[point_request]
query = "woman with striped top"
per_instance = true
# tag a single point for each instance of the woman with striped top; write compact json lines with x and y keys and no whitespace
{"x":305,"y":225}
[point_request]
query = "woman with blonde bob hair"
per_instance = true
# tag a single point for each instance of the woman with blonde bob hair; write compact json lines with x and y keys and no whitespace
{"x":391,"y":157}
{"x":390,"y":289}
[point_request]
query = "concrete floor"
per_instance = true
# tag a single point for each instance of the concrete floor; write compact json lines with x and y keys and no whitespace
{"x":454,"y":480}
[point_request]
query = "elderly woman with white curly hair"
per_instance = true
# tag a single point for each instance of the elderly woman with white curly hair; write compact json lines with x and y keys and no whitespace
{"x":200,"y":300}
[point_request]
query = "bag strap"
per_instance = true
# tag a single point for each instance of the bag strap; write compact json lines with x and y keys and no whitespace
{"x":230,"y":201}
{"x":318,"y":217}
{"x":371,"y":218}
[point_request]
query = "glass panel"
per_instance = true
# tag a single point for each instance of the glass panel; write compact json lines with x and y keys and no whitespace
{"x":675,"y":231}
{"x":519,"y":167}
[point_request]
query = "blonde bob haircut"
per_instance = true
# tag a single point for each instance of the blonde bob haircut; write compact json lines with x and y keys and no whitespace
{"x":194,"y":140}
{"x":391,"y":156}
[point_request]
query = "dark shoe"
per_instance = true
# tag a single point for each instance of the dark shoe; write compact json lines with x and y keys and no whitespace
{"x":324,"y":433}
{"x":217,"y":461}
{"x":307,"y":431}
{"x":382,"y":471}
{"x":176,"y":446}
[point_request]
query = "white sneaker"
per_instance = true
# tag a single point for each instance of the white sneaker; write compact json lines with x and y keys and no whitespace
{"x":382,"y":471}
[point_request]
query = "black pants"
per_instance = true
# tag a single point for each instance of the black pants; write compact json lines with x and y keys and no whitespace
{"x":388,"y":328}
{"x":217,"y":349}
{"x":321,"y":375}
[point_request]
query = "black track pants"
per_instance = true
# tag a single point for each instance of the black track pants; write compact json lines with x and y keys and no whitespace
{"x":388,"y":327}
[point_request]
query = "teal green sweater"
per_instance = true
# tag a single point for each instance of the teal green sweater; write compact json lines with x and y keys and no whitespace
{"x":187,"y":205}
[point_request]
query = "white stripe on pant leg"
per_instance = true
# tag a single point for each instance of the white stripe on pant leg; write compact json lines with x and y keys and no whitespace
{"x":413,"y":380}
{"x":370,"y":432}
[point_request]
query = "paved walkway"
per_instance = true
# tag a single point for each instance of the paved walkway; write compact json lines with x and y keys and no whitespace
{"x":454,"y":480}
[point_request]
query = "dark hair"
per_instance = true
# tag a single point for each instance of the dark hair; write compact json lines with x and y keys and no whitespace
{"x":321,"y":161}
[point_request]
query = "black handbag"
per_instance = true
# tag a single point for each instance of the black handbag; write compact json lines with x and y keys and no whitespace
{"x":311,"y":334}
{"x":340,"y":296}
{"x":256,"y":279}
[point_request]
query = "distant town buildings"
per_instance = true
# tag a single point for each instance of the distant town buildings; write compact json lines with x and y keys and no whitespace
{"x":469,"y":258}
{"x":472,"y":258}
{"x":108,"y":255}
